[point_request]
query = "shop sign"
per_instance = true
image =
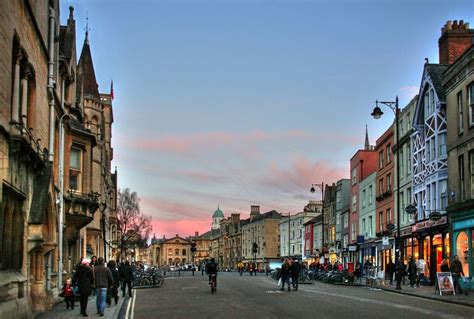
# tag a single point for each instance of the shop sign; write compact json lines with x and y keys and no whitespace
{"x":410,"y":209}
{"x":352,"y":248}
{"x":430,"y":223}
{"x":435,"y":216}
{"x":385,"y":241}
{"x":445,"y":283}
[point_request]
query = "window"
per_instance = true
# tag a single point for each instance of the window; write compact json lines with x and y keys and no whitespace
{"x":176,"y":251}
{"x":346,"y":220}
{"x":408,"y":159}
{"x":443,"y":194}
{"x":470,"y":101}
{"x":389,"y":153}
{"x":462,"y":185}
{"x":370,"y":194}
{"x":363,"y":198}
{"x":370,"y":226}
{"x":338,"y":197}
{"x":428,"y":197}
{"x":432,"y":150}
{"x":184,"y":252}
{"x":471,"y":173}
{"x":354,"y":176}
{"x":409,"y":200}
{"x":460,"y":114}
{"x":381,"y":221}
{"x":389,"y":215}
{"x":408,"y":121}
{"x":401,"y":161}
{"x":75,"y":169}
{"x":381,"y":186}
{"x":381,"y":159}
{"x":402,"y":206}
{"x":363,"y":227}
{"x":353,"y":231}
{"x":442,"y":145}
{"x":354,"y":203}
{"x":389,"y":182}
{"x":401,"y":127}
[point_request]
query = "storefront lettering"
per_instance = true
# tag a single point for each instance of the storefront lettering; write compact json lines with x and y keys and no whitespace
{"x":430,"y":223}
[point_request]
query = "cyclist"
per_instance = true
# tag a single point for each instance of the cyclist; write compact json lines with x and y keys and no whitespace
{"x":211,"y":268}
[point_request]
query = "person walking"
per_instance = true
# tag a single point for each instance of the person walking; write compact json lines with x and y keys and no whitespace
{"x":103,"y":280}
{"x":389,"y":270}
{"x":285,"y":274}
{"x":68,"y":294}
{"x":126,"y":276}
{"x":421,"y":269}
{"x":113,"y":291}
{"x":84,"y":279}
{"x":412,"y":272}
{"x":445,"y":265}
{"x":295,"y":270}
{"x":457,"y":270}
{"x":241,"y":266}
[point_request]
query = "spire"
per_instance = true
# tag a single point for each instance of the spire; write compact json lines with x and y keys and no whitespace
{"x":85,"y":68}
{"x":367,"y":145}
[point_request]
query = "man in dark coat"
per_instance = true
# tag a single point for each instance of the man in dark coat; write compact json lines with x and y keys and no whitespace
{"x":126,"y":276}
{"x":84,"y":279}
{"x":412,"y":272}
{"x":295,"y":270}
{"x":113,"y":291}
{"x":457,"y":270}
{"x":103,"y":280}
{"x":390,"y":269}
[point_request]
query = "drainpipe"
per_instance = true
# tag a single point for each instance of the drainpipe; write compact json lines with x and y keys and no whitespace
{"x":51,"y":84}
{"x":61,"y":195}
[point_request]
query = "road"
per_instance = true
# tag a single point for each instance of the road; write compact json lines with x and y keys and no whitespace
{"x":259,"y":297}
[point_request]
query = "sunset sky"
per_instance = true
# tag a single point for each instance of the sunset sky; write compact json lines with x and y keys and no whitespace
{"x":246,"y":102}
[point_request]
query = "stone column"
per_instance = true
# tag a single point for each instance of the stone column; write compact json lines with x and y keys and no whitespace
{"x":24,"y":97}
{"x":16,"y":89}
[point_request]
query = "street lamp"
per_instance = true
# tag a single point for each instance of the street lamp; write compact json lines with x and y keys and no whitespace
{"x":377,"y":113}
{"x":312,"y":190}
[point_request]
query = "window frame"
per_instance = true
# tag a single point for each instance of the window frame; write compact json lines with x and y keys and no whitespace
{"x":77,"y":170}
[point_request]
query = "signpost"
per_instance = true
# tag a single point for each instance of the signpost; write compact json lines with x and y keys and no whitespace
{"x":445,"y":283}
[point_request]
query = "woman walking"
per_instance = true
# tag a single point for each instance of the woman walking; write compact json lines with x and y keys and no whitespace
{"x":285,"y":274}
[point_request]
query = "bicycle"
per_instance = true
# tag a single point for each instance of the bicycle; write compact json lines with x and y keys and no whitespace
{"x":213,"y":283}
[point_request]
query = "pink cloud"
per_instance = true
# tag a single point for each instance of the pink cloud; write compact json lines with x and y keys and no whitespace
{"x":185,"y":144}
{"x":183,"y":228}
{"x":303,"y":173}
{"x":202,"y":176}
{"x":171,"y":210}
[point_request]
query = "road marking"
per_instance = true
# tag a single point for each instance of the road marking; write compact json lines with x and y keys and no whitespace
{"x":189,"y":287}
{"x":388,"y":304}
{"x":274,"y":292}
{"x":131,"y":306}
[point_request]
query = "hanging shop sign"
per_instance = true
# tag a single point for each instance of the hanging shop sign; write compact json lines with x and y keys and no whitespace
{"x":435,"y":216}
{"x":410,"y":209}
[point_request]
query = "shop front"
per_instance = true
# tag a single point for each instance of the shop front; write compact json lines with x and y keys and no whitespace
{"x":462,"y":225}
{"x":385,"y":252}
{"x":368,"y":252}
{"x":433,"y":242}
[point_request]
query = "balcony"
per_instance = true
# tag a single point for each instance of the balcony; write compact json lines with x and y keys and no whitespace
{"x":383,"y":195}
{"x":80,"y":208}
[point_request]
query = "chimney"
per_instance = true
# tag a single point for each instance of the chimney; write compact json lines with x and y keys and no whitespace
{"x":456,"y":38}
{"x":254,"y":212}
{"x":196,"y":234}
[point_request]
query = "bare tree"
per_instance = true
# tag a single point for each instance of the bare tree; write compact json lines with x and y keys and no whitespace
{"x":133,"y":225}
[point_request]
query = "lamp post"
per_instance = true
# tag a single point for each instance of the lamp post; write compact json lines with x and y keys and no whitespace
{"x":377,"y":113}
{"x":312,"y":190}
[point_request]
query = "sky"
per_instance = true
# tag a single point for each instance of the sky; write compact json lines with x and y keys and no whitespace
{"x":234,"y":103}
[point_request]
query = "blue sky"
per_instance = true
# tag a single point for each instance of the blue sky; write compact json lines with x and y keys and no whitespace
{"x":235,"y":103}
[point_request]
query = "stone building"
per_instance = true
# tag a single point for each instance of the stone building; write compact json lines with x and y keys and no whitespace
{"x":47,"y":177}
{"x":231,"y":233}
{"x":261,"y":232}
{"x":458,"y":83}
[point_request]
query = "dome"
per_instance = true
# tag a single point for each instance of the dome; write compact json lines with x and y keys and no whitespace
{"x":218,"y":213}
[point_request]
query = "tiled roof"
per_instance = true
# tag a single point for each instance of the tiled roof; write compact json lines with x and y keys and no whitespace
{"x":86,"y":73}
{"x":436,"y":74}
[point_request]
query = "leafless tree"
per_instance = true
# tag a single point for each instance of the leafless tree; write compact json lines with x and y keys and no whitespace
{"x":133,"y":225}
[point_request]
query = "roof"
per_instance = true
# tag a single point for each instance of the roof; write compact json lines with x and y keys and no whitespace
{"x":67,"y":36}
{"x":436,"y":72}
{"x":86,"y":73}
{"x":273,"y":214}
{"x":314,"y":220}
{"x":218,"y":213}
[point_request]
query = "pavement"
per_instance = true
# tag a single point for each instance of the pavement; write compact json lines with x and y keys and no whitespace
{"x":428,"y":292}
{"x":59,"y":310}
